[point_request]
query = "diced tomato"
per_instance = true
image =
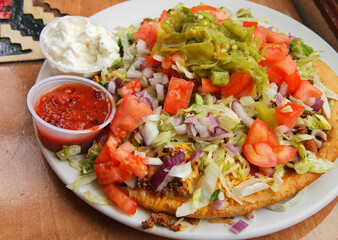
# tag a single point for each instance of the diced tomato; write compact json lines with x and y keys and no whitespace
{"x":289,"y":118}
{"x":273,"y":53}
{"x":306,"y":91}
{"x":106,"y":152}
{"x":274,"y":37}
{"x":260,"y":154}
{"x":208,"y":87}
{"x":285,"y":70}
{"x":258,"y":132}
{"x":179,"y":94}
{"x":249,"y":90}
{"x":166,"y":63}
{"x":250,"y":24}
{"x":150,"y":61}
{"x":220,"y":15}
{"x":147,"y":33}
{"x":128,"y":115}
{"x":285,"y":153}
{"x":120,"y":198}
{"x":109,"y":173}
{"x":272,"y":139}
{"x":238,"y":82}
{"x":264,"y":31}
{"x":163,"y":16}
{"x":127,"y":147}
{"x":130,"y":88}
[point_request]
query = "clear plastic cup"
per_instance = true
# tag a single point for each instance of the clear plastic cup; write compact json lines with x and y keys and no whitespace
{"x":52,"y":137}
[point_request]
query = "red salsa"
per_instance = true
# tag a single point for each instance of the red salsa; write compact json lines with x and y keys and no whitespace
{"x":74,"y":107}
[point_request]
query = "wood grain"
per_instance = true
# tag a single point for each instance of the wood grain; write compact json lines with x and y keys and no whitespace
{"x":35,"y":204}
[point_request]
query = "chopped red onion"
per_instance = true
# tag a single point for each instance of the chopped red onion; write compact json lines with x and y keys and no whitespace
{"x":210,"y":121}
{"x":282,"y":129}
{"x":139,"y":136}
{"x":181,"y":129}
{"x":142,"y":47}
{"x":315,"y":103}
{"x":219,"y":205}
{"x":118,"y":82}
{"x":149,"y":133}
{"x":291,"y":36}
{"x":176,"y":121}
{"x":152,"y":117}
{"x":157,"y":180}
{"x":155,"y":161}
{"x":201,"y":129}
{"x":283,"y":89}
{"x":195,"y":156}
{"x":112,"y":87}
{"x":160,"y":91}
{"x":219,"y":131}
{"x":238,"y":226}
{"x":147,"y":72}
{"x":319,"y":133}
{"x":274,"y":86}
{"x":238,"y":109}
{"x":192,"y":130}
{"x":181,"y":171}
{"x":270,"y":28}
{"x":165,"y":79}
{"x":132,"y":183}
{"x":280,"y":101}
{"x":232,"y":148}
{"x":132,"y":73}
{"x":269,"y":171}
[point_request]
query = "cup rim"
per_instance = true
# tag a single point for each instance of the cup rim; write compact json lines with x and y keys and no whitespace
{"x":70,"y":78}
{"x":58,"y":64}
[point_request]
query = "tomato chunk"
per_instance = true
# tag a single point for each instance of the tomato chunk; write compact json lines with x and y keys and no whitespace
{"x":163,"y":16}
{"x":106,"y":152}
{"x":274,"y":37}
{"x":220,"y":15}
{"x":306,"y":91}
{"x":238,"y":82}
{"x":120,"y":198}
{"x":288,"y":114}
{"x":260,"y":154}
{"x":147,"y":33}
{"x":272,"y":139}
{"x":285,"y":153}
{"x":178,"y":96}
{"x":258,"y":132}
{"x":250,"y":24}
{"x":273,"y":53}
{"x":128,"y":115}
{"x":208,"y":87}
{"x":132,"y":87}
{"x":285,"y":70}
{"x":108,"y":173}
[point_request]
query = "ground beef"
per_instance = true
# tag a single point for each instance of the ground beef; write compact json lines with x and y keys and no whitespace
{"x":301,"y":129}
{"x":310,"y":145}
{"x":175,"y":227}
{"x":192,"y":221}
{"x":161,"y":219}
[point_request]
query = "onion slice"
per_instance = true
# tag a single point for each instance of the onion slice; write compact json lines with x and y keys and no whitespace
{"x":238,"y":226}
{"x":239,"y":110}
{"x":160,"y":179}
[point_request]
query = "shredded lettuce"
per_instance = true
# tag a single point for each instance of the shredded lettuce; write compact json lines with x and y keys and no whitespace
{"x":68,"y":152}
{"x":82,"y":180}
{"x":317,"y":121}
{"x":310,"y":163}
{"x":287,"y":204}
{"x":99,"y":199}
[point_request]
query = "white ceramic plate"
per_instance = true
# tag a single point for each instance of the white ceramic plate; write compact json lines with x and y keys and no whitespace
{"x":319,"y":193}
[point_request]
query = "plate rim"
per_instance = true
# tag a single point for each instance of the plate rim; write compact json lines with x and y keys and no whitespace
{"x":188,"y":235}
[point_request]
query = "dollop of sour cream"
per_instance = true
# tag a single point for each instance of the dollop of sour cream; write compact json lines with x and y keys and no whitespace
{"x":77,"y":43}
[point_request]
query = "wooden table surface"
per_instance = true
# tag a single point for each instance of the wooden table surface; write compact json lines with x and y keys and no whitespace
{"x":35,"y":204}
